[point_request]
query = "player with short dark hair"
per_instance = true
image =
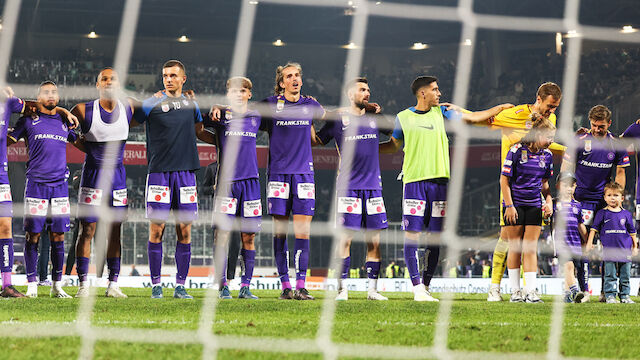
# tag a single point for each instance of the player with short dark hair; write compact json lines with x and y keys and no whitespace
{"x":46,"y":195}
{"x":360,"y":206}
{"x":426,"y":171}
{"x":172,"y":124}
{"x":105,"y":127}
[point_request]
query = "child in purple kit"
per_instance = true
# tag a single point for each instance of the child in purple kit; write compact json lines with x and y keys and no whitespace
{"x":525,"y":176}
{"x":619,"y":244}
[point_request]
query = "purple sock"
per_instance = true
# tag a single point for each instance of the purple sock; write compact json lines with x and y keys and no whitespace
{"x":113,"y":264}
{"x":82,"y":267}
{"x":57,"y":259}
{"x":31,"y":260}
{"x":583,"y":274}
{"x":183,"y":260}
{"x":281,"y":253}
{"x":373,"y":269}
{"x":6,"y":256}
{"x":155,"y":261}
{"x":346,"y":265}
{"x":247,"y":264}
{"x":301,"y":261}
{"x":431,"y":264}
{"x":411,"y":259}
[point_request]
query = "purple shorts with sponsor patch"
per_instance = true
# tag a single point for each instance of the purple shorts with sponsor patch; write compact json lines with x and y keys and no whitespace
{"x":361,"y":209}
{"x":424,"y":205}
{"x":238,"y":200}
{"x":172,"y":190}
{"x":90,"y":195}
{"x":46,"y":203}
{"x":6,"y":205}
{"x":291,"y":194}
{"x":589,"y":210}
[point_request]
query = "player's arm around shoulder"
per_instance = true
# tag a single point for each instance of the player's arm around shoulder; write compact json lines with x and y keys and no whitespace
{"x":396,"y":140}
{"x":79,"y":111}
{"x":484,"y":115}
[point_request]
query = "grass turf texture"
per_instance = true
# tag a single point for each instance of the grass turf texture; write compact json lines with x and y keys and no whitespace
{"x":590,"y":330}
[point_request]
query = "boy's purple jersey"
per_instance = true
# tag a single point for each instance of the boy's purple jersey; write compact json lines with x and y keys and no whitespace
{"x":633,"y":132}
{"x":12,"y":105}
{"x":573,"y":217}
{"x":96,"y":150}
{"x":526,"y":171}
{"x":46,"y":138}
{"x":614,"y":229}
{"x":362,"y":132}
{"x":596,"y":160}
{"x":289,"y":127}
{"x":236,"y":132}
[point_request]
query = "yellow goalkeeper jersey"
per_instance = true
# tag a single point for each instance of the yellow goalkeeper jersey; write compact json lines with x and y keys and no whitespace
{"x":515,"y":124}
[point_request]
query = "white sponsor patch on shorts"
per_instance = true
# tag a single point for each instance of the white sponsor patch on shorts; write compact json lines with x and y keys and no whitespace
{"x":277,"y":189}
{"x":638,"y":212}
{"x":252,"y":208}
{"x":227,"y":205}
{"x":120,"y":197}
{"x":349,"y":205}
{"x":587,"y":217}
{"x":60,"y":206}
{"x":158,"y":193}
{"x":188,"y":195}
{"x":375,"y":206}
{"x":413,"y":207}
{"x":35,"y":206}
{"x":438,"y":208}
{"x":5,"y":192}
{"x":306,"y":191}
{"x":90,"y":196}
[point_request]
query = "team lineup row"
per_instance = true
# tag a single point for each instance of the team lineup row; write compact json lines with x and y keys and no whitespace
{"x":173,"y":122}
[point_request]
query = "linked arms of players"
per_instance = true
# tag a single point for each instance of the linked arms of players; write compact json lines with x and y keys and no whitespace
{"x":31,"y":107}
{"x":477,"y":116}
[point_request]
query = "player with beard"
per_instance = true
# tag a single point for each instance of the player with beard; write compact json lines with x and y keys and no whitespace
{"x":46,"y":191}
{"x":360,"y":206}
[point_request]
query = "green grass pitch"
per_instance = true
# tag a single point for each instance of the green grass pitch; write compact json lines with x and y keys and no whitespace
{"x":590,"y":330}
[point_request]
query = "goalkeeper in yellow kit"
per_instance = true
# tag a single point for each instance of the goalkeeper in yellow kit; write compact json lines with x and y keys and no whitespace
{"x":515,"y":123}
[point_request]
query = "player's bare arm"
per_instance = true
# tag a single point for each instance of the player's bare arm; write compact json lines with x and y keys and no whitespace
{"x":204,"y":135}
{"x":621,"y":176}
{"x":391,"y":146}
{"x":510,"y":214}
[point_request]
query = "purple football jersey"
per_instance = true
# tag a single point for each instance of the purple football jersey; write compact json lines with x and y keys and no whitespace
{"x":573,"y":217}
{"x":11,"y":106}
{"x":237,"y":132}
{"x":96,"y":150}
{"x":614,"y":229}
{"x":362,"y":132}
{"x":46,"y":138}
{"x":633,"y":132}
{"x":289,"y":127}
{"x":595,"y":160}
{"x":526,"y":171}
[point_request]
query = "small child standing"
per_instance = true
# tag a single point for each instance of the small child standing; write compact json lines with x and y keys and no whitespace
{"x":572,"y":236}
{"x":619,"y":243}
